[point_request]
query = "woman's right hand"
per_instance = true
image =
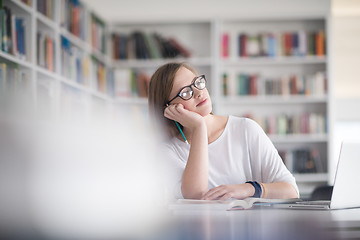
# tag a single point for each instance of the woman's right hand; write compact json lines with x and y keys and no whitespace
{"x":187,"y":118}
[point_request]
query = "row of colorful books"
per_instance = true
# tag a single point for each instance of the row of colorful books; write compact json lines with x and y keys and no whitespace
{"x":273,"y":44}
{"x":141,"y":45}
{"x":45,"y":46}
{"x":102,"y":80}
{"x":84,"y":69}
{"x":46,"y":7}
{"x":283,"y":124}
{"x":13,"y":81}
{"x":73,"y":17}
{"x":131,"y":83}
{"x":305,"y":160}
{"x":12,"y":33}
{"x":75,"y":63}
{"x":97,"y":33}
{"x":245,"y":84}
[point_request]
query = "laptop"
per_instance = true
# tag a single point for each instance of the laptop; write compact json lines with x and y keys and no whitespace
{"x":346,"y":192}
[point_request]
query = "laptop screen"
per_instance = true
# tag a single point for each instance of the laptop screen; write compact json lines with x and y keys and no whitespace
{"x":346,"y":192}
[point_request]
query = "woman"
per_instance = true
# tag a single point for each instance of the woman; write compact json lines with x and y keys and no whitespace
{"x":213,"y":157}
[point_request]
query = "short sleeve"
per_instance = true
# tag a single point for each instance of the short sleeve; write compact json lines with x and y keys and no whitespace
{"x":265,"y":157}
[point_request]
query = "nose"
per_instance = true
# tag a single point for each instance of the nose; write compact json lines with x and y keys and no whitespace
{"x":197,"y":93}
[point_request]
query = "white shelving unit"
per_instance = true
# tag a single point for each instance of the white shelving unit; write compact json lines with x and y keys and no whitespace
{"x":265,"y":105}
{"x":50,"y":89}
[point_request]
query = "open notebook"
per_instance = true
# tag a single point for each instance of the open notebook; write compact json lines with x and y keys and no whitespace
{"x":345,"y":193}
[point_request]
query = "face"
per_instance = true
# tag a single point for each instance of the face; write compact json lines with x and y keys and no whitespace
{"x":200,"y":101}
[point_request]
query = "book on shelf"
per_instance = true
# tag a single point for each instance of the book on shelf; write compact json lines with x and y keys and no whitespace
{"x":98,"y":33}
{"x":227,"y":205}
{"x":5,"y":32}
{"x":75,"y":63}
{"x":225,"y":45}
{"x":99,"y":76}
{"x":304,"y":160}
{"x":225,"y":84}
{"x":242,"y":41}
{"x":141,"y":45}
{"x":131,"y":83}
{"x":45,"y":46}
{"x":46,"y":7}
{"x":179,"y":47}
{"x":12,"y":33}
{"x":73,"y":18}
{"x":272,"y":44}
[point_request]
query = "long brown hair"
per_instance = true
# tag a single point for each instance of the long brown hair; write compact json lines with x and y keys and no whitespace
{"x":161,"y":84}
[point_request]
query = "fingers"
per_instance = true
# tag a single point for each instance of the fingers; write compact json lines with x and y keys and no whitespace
{"x":172,"y":112}
{"x":216,"y":193}
{"x":210,"y":192}
{"x":226,"y":196}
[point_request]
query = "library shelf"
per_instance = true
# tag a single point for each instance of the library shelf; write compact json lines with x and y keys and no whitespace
{"x":154,"y":63}
{"x":78,"y":42}
{"x":24,"y":6}
{"x":47,"y":73}
{"x":274,"y":99}
{"x":131,"y":100}
{"x":14,"y":59}
{"x":47,"y":21}
{"x":284,"y":60}
{"x":298,"y":138}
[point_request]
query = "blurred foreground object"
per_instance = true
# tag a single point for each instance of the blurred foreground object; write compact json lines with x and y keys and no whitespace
{"x":78,"y":178}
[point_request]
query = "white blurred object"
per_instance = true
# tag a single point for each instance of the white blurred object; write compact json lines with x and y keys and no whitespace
{"x":96,"y":181}
{"x":93,"y":179}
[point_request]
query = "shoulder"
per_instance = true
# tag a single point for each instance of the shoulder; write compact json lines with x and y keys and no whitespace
{"x":246,"y":127}
{"x":243,"y":123}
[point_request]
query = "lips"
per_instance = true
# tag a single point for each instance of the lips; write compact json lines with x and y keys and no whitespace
{"x":201,"y":103}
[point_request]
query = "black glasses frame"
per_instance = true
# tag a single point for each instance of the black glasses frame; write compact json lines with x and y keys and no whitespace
{"x":192,"y":84}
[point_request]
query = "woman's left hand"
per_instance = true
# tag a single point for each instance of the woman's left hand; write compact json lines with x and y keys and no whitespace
{"x":224,"y":192}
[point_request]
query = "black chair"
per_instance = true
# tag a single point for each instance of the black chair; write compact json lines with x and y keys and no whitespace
{"x":322,"y":193}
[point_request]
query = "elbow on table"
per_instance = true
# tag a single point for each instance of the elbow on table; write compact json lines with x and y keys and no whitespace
{"x":292,"y":193}
{"x":194,"y":194}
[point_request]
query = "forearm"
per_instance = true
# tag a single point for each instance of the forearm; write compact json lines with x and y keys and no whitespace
{"x":279,"y":190}
{"x":195,"y":176}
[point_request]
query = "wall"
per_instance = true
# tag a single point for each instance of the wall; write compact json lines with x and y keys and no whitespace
{"x":163,"y":10}
{"x":345,"y":73}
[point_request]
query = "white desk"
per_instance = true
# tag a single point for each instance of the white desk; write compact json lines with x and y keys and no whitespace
{"x":264,"y":223}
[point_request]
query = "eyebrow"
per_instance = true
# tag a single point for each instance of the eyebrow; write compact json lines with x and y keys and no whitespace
{"x":192,"y":81}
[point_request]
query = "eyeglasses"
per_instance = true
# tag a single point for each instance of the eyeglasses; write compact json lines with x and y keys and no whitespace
{"x":187,"y":92}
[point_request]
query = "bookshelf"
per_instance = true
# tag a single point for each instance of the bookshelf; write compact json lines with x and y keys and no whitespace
{"x":70,"y":63}
{"x":62,"y":53}
{"x":277,"y":71}
{"x":190,"y":35}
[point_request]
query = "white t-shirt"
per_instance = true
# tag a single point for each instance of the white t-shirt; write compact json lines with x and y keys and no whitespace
{"x":242,"y":153}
